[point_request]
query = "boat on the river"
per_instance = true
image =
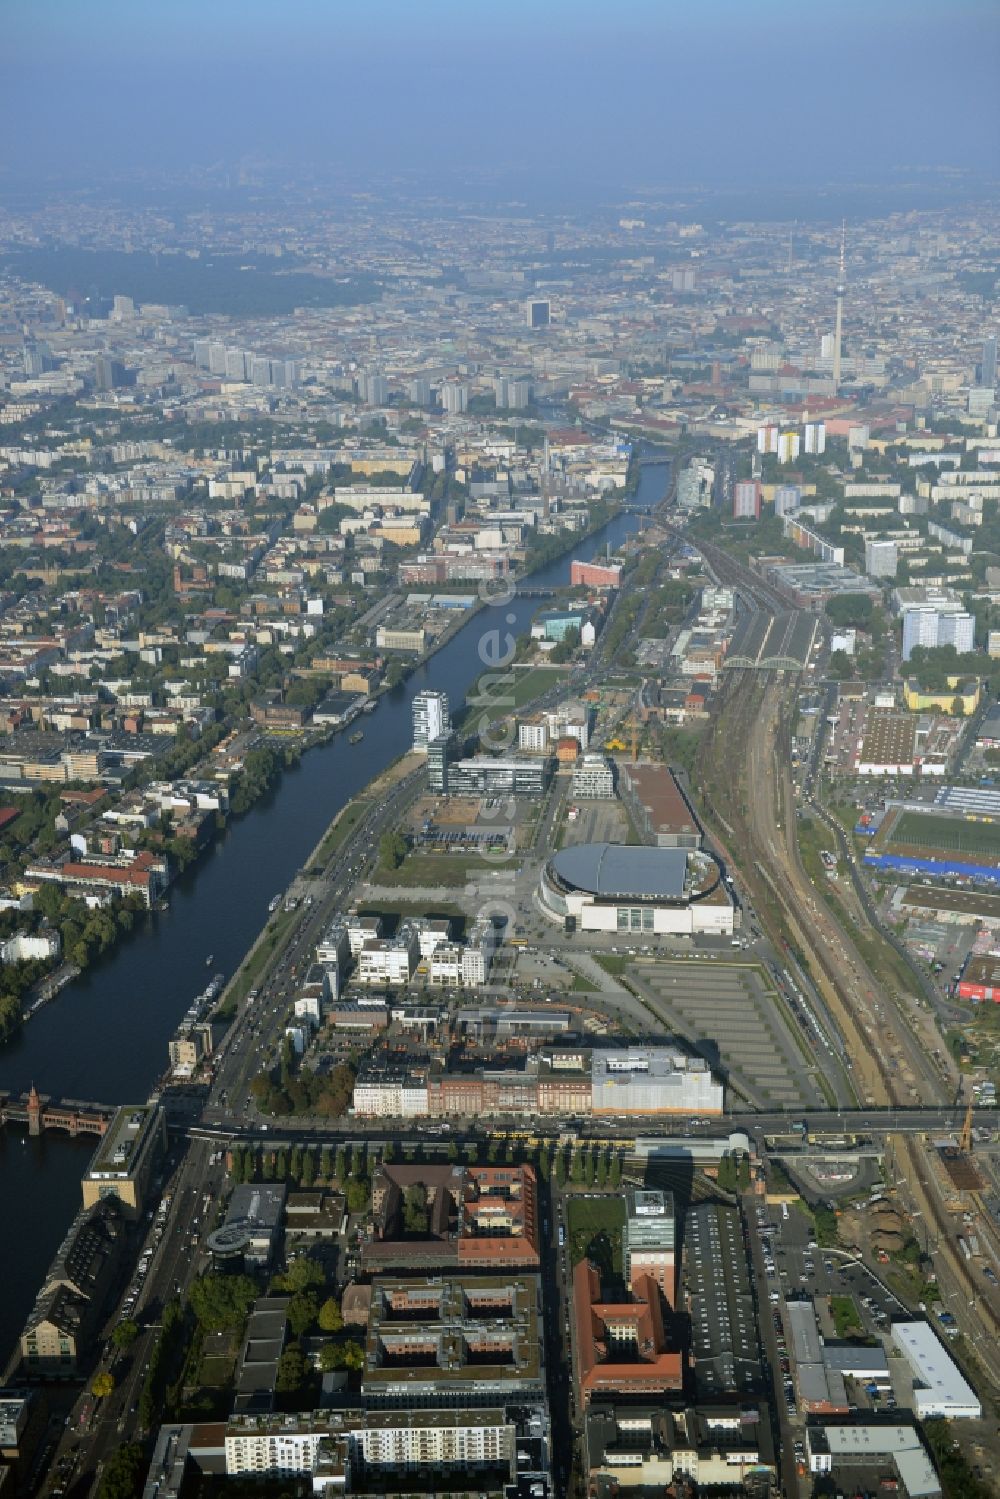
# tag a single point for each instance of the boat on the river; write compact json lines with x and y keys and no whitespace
{"x":356,"y":737}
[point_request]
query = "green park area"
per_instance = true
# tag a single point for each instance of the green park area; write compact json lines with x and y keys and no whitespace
{"x":595,"y":1226}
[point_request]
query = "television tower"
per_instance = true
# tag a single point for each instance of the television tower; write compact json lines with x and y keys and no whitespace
{"x":839,"y":326}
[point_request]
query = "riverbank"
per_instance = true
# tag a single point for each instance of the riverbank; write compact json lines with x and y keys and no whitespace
{"x":107,"y":1036}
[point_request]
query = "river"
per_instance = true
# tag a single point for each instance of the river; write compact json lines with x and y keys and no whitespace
{"x":105,"y":1036}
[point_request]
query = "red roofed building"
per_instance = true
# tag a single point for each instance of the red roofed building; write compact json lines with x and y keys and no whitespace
{"x":620,"y":1347}
{"x":145,"y":873}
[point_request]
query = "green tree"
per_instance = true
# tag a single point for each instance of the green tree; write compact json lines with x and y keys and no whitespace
{"x":415,"y":1217}
{"x":329,"y":1316}
{"x":330,"y":1358}
{"x":392,"y":849}
{"x":308,"y":1169}
{"x":291,"y":1371}
{"x":303,"y":1274}
{"x":324,"y":1163}
{"x":356,"y":1196}
{"x":222,"y":1301}
{"x":615,"y":1170}
{"x":125,"y":1333}
{"x":124,"y":1473}
{"x":303,"y":1309}
{"x":103,"y":1384}
{"x":340,"y":1168}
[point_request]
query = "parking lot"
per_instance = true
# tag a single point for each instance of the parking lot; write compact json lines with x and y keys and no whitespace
{"x":734,"y":1007}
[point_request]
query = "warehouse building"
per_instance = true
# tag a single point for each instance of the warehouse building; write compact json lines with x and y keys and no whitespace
{"x":660,"y":808}
{"x":980,"y":979}
{"x":866,"y":1455}
{"x":718,"y":1298}
{"x":939,"y":1387}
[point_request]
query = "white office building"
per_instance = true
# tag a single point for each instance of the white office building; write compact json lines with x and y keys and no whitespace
{"x":431,"y":718}
{"x":389,"y":960}
{"x":593,"y":779}
{"x":533,"y":737}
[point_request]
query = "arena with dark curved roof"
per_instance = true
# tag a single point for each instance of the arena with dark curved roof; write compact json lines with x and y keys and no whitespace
{"x":628,"y":888}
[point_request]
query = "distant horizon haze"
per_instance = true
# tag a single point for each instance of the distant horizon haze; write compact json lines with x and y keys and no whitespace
{"x":566,"y":96}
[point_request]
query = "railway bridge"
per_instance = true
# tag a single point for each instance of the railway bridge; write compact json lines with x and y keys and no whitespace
{"x":41,"y":1112}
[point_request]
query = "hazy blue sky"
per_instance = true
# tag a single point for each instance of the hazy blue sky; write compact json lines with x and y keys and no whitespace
{"x":618,"y":91}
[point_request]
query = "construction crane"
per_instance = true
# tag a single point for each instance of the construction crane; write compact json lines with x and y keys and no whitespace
{"x":635,"y":728}
{"x":965,"y":1138}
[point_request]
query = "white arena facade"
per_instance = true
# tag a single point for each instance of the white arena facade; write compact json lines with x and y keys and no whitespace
{"x":637,"y":892}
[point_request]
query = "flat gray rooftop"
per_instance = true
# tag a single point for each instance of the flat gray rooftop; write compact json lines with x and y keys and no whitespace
{"x":625,"y":871}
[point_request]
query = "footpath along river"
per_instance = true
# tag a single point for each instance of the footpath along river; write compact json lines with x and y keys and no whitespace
{"x":105,"y":1036}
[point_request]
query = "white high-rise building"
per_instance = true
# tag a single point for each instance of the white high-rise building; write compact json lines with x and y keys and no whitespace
{"x":931,"y":627}
{"x":455,"y":397}
{"x":788,"y":447}
{"x":815,"y":435}
{"x":236,"y":367}
{"x":881,"y":559}
{"x":431,"y":718}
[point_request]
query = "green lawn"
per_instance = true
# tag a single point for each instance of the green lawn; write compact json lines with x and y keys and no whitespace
{"x":437,"y":869}
{"x":614,"y":963}
{"x":595,"y":1226}
{"x":216,"y":1370}
{"x":580,"y":985}
{"x":404,"y":909}
{"x":845,"y":1316}
{"x":513,"y":689}
{"x":531,"y":684}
